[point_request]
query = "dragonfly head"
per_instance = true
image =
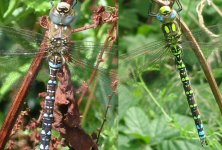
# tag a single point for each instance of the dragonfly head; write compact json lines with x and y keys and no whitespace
{"x":63,"y":7}
{"x":166,"y":14}
{"x":62,"y":14}
{"x":165,"y":10}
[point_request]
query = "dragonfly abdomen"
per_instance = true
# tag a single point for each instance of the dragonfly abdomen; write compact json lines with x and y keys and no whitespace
{"x":177,"y":52}
{"x":54,"y":67}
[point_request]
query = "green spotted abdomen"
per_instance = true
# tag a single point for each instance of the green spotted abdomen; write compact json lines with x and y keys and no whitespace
{"x":177,"y":52}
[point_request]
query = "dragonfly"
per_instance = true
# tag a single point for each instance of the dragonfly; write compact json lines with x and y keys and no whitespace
{"x":174,"y":45}
{"x":20,"y":46}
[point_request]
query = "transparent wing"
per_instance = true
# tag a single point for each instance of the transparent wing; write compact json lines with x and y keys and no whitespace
{"x":19,"y":41}
{"x":209,"y":42}
{"x":87,"y":55}
{"x":152,"y":54}
{"x":145,"y":56}
{"x":19,"y":47}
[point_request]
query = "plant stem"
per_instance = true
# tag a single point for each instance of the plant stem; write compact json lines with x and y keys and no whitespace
{"x":206,"y":68}
{"x":20,"y":97}
{"x":153,"y":98}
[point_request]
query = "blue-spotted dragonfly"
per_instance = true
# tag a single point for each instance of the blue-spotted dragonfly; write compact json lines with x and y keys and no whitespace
{"x":18,"y":47}
{"x":145,"y":58}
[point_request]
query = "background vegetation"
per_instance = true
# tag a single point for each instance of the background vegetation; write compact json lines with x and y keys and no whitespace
{"x":145,"y":110}
{"x":25,"y":14}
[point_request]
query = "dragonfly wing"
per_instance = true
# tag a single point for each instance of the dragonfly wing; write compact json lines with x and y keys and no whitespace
{"x":85,"y":56}
{"x":19,"y":41}
{"x":145,"y":58}
{"x":208,"y":42}
{"x":17,"y":49}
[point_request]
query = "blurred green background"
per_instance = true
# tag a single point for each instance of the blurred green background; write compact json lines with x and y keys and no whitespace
{"x":25,"y":14}
{"x":146,"y":107}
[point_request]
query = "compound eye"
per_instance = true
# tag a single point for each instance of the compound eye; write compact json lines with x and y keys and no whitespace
{"x":66,"y":10}
{"x":165,"y":10}
{"x":63,"y":7}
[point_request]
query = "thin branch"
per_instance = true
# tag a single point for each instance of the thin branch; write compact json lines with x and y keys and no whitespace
{"x":199,"y":9}
{"x":163,"y":2}
{"x":20,"y":97}
{"x":206,"y":68}
{"x":89,"y":102}
{"x":85,"y":28}
{"x":92,"y":26}
{"x":109,"y":37}
{"x":216,"y":8}
{"x":105,"y":115}
{"x":154,"y":99}
{"x":69,"y":2}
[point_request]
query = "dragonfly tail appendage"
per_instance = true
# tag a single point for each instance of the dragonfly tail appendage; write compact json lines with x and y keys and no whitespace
{"x":49,"y":107}
{"x":177,"y":52}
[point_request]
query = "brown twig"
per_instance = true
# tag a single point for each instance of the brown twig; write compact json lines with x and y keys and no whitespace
{"x":88,"y":104}
{"x":20,"y":121}
{"x":106,"y":112}
{"x":163,"y":2}
{"x":206,"y":68}
{"x":110,"y":40}
{"x":20,"y":97}
{"x":100,"y":59}
{"x":109,"y":37}
{"x":94,"y":73}
{"x":85,"y":28}
{"x":69,"y":1}
{"x":100,"y":17}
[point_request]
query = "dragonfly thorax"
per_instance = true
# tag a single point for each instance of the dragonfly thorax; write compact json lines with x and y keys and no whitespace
{"x":62,"y":14}
{"x":57,"y":42}
{"x":58,"y":31}
{"x":59,"y":48}
{"x":172,"y":32}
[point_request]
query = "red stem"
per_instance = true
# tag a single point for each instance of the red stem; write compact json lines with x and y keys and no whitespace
{"x":85,"y":28}
{"x":100,"y":58}
{"x":20,"y":97}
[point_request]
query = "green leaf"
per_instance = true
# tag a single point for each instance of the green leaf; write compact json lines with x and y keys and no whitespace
{"x":161,"y":130}
{"x":38,"y":6}
{"x":128,"y":19}
{"x":12,"y":78}
{"x":136,"y":124}
{"x":180,"y":145}
{"x":10,"y":9}
{"x":126,"y":100}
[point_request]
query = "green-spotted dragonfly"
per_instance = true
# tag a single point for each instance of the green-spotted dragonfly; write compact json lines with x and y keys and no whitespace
{"x":145,"y":58}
